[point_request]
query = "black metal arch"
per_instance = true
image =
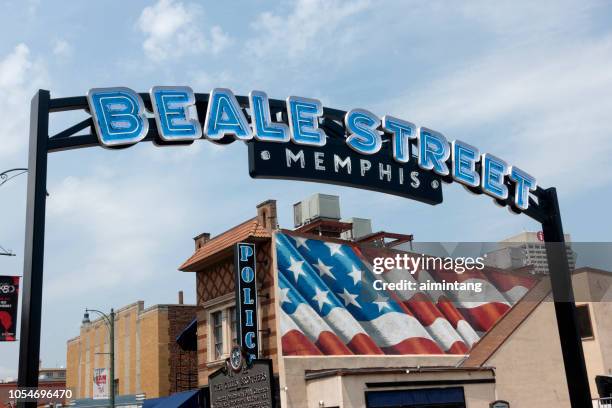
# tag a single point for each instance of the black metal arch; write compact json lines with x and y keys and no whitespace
{"x":543,"y":207}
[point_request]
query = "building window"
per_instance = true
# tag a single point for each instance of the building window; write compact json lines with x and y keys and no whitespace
{"x":584,"y":322}
{"x":217,"y":326}
{"x":233,"y":325}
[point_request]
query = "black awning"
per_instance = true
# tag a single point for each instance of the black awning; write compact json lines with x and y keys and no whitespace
{"x":188,"y":338}
{"x":604,"y":386}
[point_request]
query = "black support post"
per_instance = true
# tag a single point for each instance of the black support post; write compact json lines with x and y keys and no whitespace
{"x":31,"y":308}
{"x":565,"y":307}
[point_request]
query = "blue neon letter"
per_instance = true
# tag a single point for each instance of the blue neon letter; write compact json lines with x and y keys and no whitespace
{"x":263,"y":127}
{"x":248,"y":300}
{"x":118,"y":115}
{"x":363,"y":136}
{"x":464,"y":161}
{"x":248,"y":340}
{"x":303,"y":121}
{"x":246,"y":251}
{"x":493,"y":171}
{"x":224,"y":116}
{"x":402,"y":132}
{"x":249,"y":317}
{"x":433,"y":151}
{"x":524,"y":184}
{"x":171,"y":107}
{"x":247,"y":274}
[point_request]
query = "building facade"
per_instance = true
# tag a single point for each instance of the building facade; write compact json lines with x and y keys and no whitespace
{"x":332,"y":345}
{"x":147,"y":358}
{"x":526,"y":249}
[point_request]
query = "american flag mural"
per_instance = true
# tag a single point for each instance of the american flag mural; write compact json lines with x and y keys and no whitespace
{"x":328,"y":305}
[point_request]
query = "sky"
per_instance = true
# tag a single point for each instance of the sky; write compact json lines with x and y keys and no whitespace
{"x":530,"y":82}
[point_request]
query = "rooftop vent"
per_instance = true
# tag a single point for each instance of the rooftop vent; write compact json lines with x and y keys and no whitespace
{"x":317,"y":206}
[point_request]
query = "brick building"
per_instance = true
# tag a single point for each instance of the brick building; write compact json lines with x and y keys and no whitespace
{"x":213,"y":262}
{"x":147,"y":358}
{"x":448,"y":354}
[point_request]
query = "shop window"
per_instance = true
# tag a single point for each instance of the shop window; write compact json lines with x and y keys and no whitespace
{"x":584,"y":322}
{"x":233,"y":325}
{"x":217,"y":321}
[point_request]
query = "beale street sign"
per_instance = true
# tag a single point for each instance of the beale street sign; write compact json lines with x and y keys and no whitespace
{"x":385,"y":154}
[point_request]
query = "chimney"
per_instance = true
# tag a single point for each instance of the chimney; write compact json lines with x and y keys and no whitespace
{"x":266,"y":214}
{"x":180,"y":300}
{"x":201,"y":239}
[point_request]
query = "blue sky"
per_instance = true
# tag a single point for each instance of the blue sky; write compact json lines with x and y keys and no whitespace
{"x":530,"y":82}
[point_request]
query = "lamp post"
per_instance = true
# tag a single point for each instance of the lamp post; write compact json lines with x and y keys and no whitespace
{"x":4,"y":177}
{"x":110,"y":322}
{"x":11,"y":173}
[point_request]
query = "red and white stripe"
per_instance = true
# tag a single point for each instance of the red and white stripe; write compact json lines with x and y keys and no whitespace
{"x":481,"y":314}
{"x":400,"y":333}
{"x":421,"y":305}
{"x":448,"y":309}
{"x":293,"y":341}
{"x":511,"y":285}
{"x":338,"y":327}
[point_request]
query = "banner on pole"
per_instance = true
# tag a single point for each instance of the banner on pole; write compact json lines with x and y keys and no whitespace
{"x":100,"y":383}
{"x":9,"y":296}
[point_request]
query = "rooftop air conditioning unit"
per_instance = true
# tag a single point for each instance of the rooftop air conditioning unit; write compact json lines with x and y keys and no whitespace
{"x":361,"y":228}
{"x":316,"y":206}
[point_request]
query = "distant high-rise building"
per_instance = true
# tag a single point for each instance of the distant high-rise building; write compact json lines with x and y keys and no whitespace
{"x":526,"y":249}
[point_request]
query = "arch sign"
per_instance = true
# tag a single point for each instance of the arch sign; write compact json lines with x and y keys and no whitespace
{"x":373,"y":153}
{"x":299,"y":139}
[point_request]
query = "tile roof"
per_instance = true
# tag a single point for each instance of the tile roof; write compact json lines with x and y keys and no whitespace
{"x":220,"y":245}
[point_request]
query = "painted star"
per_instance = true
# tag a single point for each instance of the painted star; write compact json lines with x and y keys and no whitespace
{"x":284,"y":295}
{"x":324,"y":269}
{"x":381,"y":303}
{"x":300,"y":242}
{"x":321,"y":297}
{"x":355,"y":274}
{"x":334,"y":248}
{"x":297,"y":268}
{"x":349,"y":298}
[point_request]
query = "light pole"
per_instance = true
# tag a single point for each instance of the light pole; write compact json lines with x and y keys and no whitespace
{"x":4,"y":177}
{"x":110,"y":322}
{"x":11,"y":173}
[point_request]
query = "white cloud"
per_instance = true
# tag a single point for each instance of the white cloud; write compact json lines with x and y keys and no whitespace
{"x":172,"y":30}
{"x":119,"y":228}
{"x":20,"y":77}
{"x":550,"y":112}
{"x":308,"y":30}
{"x":62,"y":48}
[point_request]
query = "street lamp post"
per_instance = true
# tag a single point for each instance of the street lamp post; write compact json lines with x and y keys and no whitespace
{"x":11,"y":173}
{"x":110,"y":322}
{"x":4,"y":177}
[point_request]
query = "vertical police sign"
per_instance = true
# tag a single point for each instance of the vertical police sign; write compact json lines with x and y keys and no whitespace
{"x":246,"y":299}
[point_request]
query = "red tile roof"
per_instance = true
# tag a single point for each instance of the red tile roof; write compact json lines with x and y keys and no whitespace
{"x":222,"y":244}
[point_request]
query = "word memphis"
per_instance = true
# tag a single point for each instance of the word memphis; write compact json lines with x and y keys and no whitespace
{"x":120,"y":118}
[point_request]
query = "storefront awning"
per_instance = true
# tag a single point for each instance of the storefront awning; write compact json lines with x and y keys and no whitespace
{"x":186,"y":399}
{"x":188,"y":338}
